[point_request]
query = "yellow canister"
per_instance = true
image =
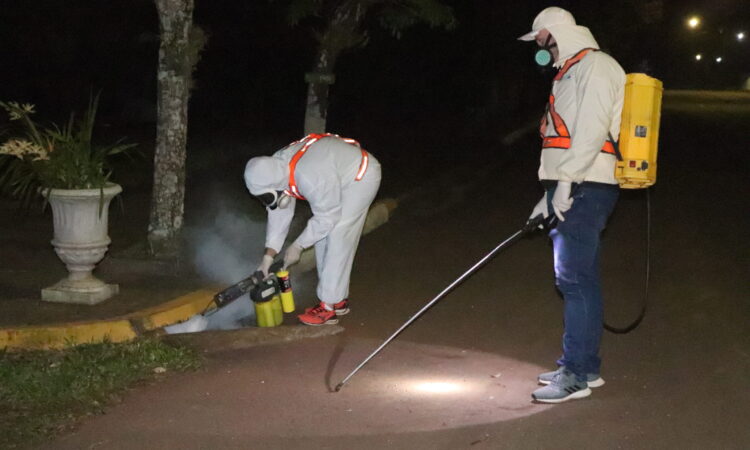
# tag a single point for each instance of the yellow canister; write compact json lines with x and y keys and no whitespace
{"x":639,"y":131}
{"x":278,"y":316}
{"x":264,"y":316}
{"x":287,"y":298}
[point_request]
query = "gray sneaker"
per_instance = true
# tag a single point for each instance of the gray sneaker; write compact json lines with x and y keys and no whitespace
{"x":563,"y":387}
{"x":593,"y":379}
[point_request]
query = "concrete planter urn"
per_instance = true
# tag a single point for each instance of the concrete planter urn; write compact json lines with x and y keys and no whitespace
{"x":81,"y":239}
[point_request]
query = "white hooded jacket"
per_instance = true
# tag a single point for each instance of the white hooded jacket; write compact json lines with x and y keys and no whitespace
{"x":328,"y":167}
{"x":589,"y":99}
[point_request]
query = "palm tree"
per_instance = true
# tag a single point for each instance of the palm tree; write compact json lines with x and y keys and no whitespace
{"x":339,"y":25}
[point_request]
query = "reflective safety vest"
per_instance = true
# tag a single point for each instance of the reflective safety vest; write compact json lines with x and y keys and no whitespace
{"x":309,"y":140}
{"x":562,"y":140}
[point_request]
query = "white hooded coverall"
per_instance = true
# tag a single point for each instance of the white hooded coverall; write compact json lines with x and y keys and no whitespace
{"x":589,"y":98}
{"x":325,"y":176}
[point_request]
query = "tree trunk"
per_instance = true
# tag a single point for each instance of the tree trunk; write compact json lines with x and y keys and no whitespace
{"x":317,"y":101}
{"x":167,"y":199}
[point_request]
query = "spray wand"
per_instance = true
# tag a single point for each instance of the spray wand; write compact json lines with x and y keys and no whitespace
{"x":531,"y":226}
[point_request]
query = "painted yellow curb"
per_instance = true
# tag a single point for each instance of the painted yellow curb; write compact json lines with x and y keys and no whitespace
{"x":173,"y":311}
{"x":118,"y":329}
{"x":62,"y":335}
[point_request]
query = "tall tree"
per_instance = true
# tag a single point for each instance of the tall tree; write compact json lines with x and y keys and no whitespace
{"x":178,"y":54}
{"x":341,"y":25}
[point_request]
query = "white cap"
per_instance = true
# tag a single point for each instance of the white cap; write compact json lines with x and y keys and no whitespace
{"x":548,"y":17}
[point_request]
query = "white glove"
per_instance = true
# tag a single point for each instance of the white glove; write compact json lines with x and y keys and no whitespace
{"x":561,"y":200}
{"x":292,"y":255}
{"x":540,"y":209}
{"x":265,"y":264}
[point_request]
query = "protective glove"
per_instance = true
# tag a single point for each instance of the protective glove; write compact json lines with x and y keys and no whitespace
{"x":265,"y":264}
{"x":292,"y":255}
{"x":540,"y":208}
{"x":561,"y":199}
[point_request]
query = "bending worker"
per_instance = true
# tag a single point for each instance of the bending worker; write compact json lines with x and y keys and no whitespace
{"x":577,"y":172}
{"x":339,"y":179}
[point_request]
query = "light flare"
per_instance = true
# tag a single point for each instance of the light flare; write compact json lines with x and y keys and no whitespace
{"x":438,"y":387}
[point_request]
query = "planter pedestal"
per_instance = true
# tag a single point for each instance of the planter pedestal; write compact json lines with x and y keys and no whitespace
{"x":81,"y":240}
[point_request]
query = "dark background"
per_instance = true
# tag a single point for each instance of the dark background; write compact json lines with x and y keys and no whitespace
{"x":471,"y":85}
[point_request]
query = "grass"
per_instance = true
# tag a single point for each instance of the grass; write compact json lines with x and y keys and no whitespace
{"x":45,"y":392}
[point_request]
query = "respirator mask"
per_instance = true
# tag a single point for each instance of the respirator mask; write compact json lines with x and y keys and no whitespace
{"x":273,"y":199}
{"x":543,"y":57}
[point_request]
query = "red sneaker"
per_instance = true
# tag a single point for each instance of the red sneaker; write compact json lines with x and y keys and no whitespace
{"x":319,"y":315}
{"x":339,"y":308}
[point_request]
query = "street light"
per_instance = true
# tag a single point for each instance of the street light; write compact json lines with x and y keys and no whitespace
{"x":741,"y":36}
{"x":698,"y":57}
{"x":693,"y":22}
{"x":718,"y":59}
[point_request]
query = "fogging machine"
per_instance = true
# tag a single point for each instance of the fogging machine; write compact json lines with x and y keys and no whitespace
{"x":270,"y":294}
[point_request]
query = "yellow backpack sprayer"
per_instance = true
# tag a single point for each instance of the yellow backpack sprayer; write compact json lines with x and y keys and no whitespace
{"x":270,"y":295}
{"x":636,"y":155}
{"x":639,"y":132}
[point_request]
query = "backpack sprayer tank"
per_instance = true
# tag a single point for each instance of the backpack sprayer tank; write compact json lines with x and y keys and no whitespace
{"x":639,"y":132}
{"x":270,"y":295}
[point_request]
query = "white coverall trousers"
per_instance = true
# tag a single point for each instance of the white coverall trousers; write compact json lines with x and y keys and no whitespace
{"x":334,"y":254}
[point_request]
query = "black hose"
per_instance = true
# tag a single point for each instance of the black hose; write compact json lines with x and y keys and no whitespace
{"x":642,"y":314}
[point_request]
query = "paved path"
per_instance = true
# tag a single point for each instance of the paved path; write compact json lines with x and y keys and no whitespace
{"x":679,"y":381}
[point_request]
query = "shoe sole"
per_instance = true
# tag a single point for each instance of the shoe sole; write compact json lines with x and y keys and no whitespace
{"x":599,"y":382}
{"x":333,"y":321}
{"x":575,"y":395}
{"x":339,"y":312}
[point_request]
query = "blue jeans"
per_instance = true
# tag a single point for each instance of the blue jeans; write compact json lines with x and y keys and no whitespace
{"x":576,"y":244}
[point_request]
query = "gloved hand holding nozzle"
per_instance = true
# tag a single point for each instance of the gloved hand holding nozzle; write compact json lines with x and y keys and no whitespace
{"x":539,"y":210}
{"x":265,"y":264}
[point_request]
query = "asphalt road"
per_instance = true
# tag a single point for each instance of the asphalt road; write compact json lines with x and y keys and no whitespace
{"x":461,"y":376}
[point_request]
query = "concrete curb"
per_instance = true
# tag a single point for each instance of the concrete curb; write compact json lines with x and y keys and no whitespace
{"x":118,"y":329}
{"x":125,"y":328}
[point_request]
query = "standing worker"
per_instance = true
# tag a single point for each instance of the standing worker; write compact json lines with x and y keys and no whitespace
{"x":339,"y":179}
{"x":577,"y":171}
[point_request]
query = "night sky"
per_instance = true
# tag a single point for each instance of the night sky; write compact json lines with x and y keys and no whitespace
{"x":250,"y":80}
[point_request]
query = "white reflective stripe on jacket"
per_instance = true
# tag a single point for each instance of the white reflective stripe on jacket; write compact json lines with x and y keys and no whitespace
{"x":589,"y":98}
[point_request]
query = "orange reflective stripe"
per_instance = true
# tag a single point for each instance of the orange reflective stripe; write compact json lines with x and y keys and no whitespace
{"x":609,"y":147}
{"x":560,"y":127}
{"x":556,"y":142}
{"x":562,"y":140}
{"x":564,"y":143}
{"x":362,"y":165}
{"x":309,"y":140}
{"x":571,"y":62}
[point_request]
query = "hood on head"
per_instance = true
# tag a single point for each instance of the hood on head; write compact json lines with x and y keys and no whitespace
{"x":571,"y":39}
{"x":264,"y":173}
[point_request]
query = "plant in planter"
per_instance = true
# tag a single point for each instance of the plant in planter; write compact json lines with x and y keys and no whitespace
{"x":73,"y":175}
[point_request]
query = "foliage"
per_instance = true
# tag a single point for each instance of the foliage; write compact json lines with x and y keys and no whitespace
{"x":53,"y":157}
{"x":339,"y":23}
{"x":43,"y":392}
